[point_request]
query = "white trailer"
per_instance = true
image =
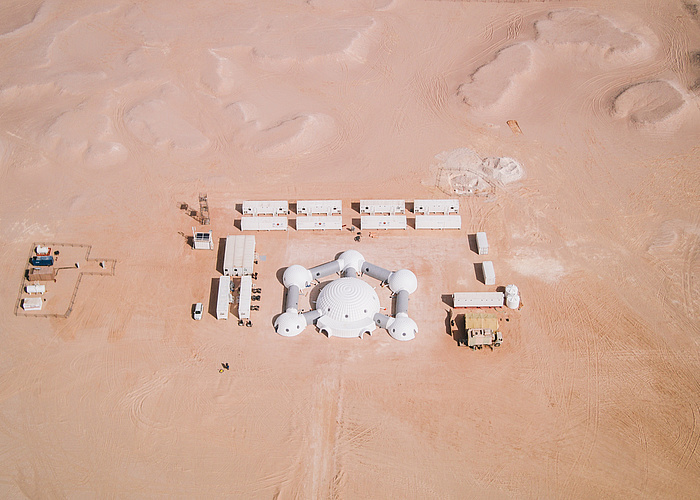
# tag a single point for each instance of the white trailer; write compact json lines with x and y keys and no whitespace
{"x":489,"y":273}
{"x":438,"y":222}
{"x":383,"y":222}
{"x":244,"y":296}
{"x":428,"y":207}
{"x":325,"y":207}
{"x":382,"y":206}
{"x":202,"y":240}
{"x":477,"y":299}
{"x":319,"y":222}
{"x":32,"y":304}
{"x":276,"y":207}
{"x":482,"y":244}
{"x":274,"y":223}
{"x":34,"y":289}
{"x":239,"y":256}
{"x":224,"y":297}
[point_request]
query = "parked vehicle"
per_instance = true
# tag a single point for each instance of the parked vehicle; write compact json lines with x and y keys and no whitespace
{"x":477,"y":338}
{"x":41,"y":260}
{"x":198,"y":309}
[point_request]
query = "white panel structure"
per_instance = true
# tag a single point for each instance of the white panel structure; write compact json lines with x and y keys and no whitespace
{"x":438,"y":222}
{"x":489,"y":273}
{"x":244,"y":296}
{"x":382,"y":206}
{"x":319,"y":222}
{"x":383,"y":222}
{"x":477,"y":299}
{"x":277,"y":207}
{"x":223,"y":298}
{"x":32,"y":304}
{"x":326,"y":207}
{"x":482,"y":244}
{"x":34,"y":289}
{"x":428,"y":207}
{"x":274,"y":223}
{"x":239,"y":256}
{"x":202,"y":240}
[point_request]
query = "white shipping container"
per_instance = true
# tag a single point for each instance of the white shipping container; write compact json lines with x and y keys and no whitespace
{"x":244,"y":297}
{"x":276,"y":207}
{"x":239,"y":255}
{"x":482,"y":244}
{"x":32,"y":304}
{"x":438,"y":222}
{"x":428,"y":207}
{"x":383,"y":222}
{"x":264,"y":223}
{"x":477,"y":299}
{"x":319,"y":222}
{"x":382,"y":206}
{"x":489,"y":273}
{"x":326,"y":207}
{"x":40,"y":289}
{"x":224,"y":297}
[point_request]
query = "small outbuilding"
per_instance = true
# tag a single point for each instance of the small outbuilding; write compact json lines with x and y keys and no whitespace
{"x":482,"y":244}
{"x":489,"y":273}
{"x":223,"y":298}
{"x":202,"y":240}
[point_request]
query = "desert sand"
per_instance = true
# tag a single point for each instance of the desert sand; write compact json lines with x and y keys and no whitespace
{"x":115,"y":113}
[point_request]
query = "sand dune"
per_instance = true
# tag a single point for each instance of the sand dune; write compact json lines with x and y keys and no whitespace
{"x":648,"y":103}
{"x":296,"y":135}
{"x":462,"y":171}
{"x":157,"y":123}
{"x":18,"y":15}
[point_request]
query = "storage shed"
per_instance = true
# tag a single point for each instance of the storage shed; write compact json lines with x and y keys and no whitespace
{"x":489,"y":273}
{"x":202,"y":240}
{"x":239,"y":255}
{"x":482,"y":244}
{"x":477,"y":299}
{"x":244,"y":297}
{"x":32,"y":304}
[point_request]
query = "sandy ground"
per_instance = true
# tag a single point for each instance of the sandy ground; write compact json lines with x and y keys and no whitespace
{"x":113,"y":113}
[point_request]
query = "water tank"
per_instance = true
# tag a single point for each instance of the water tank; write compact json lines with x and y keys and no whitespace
{"x":512,"y":297}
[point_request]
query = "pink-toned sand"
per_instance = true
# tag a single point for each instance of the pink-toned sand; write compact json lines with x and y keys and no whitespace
{"x":114,"y":113}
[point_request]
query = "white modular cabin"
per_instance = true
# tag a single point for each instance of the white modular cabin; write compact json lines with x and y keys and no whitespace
{"x":274,"y":223}
{"x":319,"y":222}
{"x":383,"y":222}
{"x":489,"y":273}
{"x":32,"y":304}
{"x":276,"y":207}
{"x":202,"y":240}
{"x":223,"y":298}
{"x":239,"y":256}
{"x":477,"y":299}
{"x":34,"y":289}
{"x":244,"y":296}
{"x":382,"y":206}
{"x":482,"y":244}
{"x":325,"y":207}
{"x":428,"y":207}
{"x":438,"y":222}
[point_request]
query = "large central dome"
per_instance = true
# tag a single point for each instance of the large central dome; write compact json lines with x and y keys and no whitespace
{"x":348,"y":300}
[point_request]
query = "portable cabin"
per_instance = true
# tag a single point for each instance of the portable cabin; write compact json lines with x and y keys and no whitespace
{"x":224,"y":297}
{"x":41,"y":274}
{"x":383,"y":222}
{"x":489,"y":273}
{"x":322,"y":222}
{"x":482,"y":244}
{"x":477,"y":299}
{"x":372,"y":207}
{"x":428,"y":207}
{"x":35,"y":289}
{"x":274,"y":207}
{"x":439,"y":221}
{"x":274,"y":223}
{"x":321,"y":207}
{"x":244,"y":297}
{"x":239,"y":255}
{"x":32,"y":304}
{"x":202,"y":240}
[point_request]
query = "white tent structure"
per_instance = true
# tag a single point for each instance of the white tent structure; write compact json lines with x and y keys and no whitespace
{"x":348,"y":307}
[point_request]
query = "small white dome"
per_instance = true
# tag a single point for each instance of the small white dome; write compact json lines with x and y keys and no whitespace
{"x":296,"y":275}
{"x":289,"y":324}
{"x":353,"y":259}
{"x":403,"y":279}
{"x":402,"y":328}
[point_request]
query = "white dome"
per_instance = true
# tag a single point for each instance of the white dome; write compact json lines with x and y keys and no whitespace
{"x":403,"y":279}
{"x":511,"y":290}
{"x":296,"y":275}
{"x":347,"y":300}
{"x":402,"y":328}
{"x":353,"y":259}
{"x":289,"y":324}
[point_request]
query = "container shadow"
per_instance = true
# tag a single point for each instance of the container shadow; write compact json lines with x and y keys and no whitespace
{"x":479,"y":273}
{"x":213,"y":295}
{"x":472,"y":243}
